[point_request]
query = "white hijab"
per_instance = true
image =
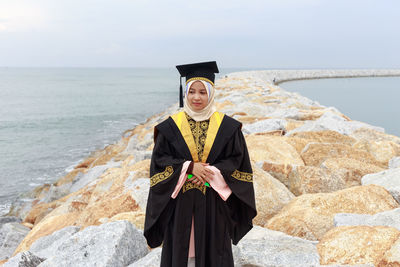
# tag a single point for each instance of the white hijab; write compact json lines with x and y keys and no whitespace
{"x":206,"y":112}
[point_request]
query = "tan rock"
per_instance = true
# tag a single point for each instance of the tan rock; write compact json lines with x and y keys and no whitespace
{"x":273,"y":133}
{"x":29,"y":225}
{"x":272,"y":149}
{"x":354,"y":169}
{"x":293,"y":124}
{"x":40,"y":191}
{"x":250,"y":119}
{"x":310,"y":216}
{"x":381,"y":150}
{"x":39,"y":211}
{"x":85,"y":163}
{"x":311,"y":114}
{"x":222,"y":105}
{"x":326,"y":136}
{"x":392,"y":256}
{"x":278,"y":171}
{"x":141,"y":169}
{"x":309,"y":179}
{"x":373,"y":135}
{"x":103,"y":159}
{"x":135,"y":217}
{"x":271,"y":196}
{"x":45,"y":227}
{"x":297,"y":143}
{"x":316,"y":153}
{"x":69,"y":177}
{"x":356,"y":244}
{"x":300,"y":139}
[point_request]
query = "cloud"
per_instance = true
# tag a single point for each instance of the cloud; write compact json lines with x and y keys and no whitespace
{"x":17,"y":17}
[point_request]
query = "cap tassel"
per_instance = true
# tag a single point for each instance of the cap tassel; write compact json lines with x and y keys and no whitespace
{"x":180,"y":93}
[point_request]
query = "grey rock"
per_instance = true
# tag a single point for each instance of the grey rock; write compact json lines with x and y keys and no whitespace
{"x":289,"y":113}
{"x":56,"y":192}
{"x":386,"y":218}
{"x":21,"y":206}
{"x":389,"y":179}
{"x":46,"y":246}
{"x":140,"y":155}
{"x":114,"y":244}
{"x":82,"y":179}
{"x":135,"y":145}
{"x":153,"y":259}
{"x":24,"y":259}
{"x":8,"y":219}
{"x":139,"y":190}
{"x":264,"y":247}
{"x":11,"y":234}
{"x":394,"y":163}
{"x":265,"y":126}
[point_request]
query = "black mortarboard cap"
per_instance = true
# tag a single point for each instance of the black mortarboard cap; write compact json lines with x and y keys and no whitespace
{"x":196,"y":71}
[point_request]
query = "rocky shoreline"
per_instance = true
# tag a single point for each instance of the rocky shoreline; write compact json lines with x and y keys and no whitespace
{"x":327,"y":189}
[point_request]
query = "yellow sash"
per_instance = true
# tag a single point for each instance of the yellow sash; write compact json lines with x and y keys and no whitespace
{"x":183,"y":126}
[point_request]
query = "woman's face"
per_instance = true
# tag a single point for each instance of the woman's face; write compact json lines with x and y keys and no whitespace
{"x":197,"y":96}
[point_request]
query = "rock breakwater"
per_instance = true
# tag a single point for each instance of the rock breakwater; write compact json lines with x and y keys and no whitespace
{"x":312,"y":166}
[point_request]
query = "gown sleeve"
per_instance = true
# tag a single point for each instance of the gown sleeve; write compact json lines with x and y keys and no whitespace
{"x":234,"y":164}
{"x":165,"y":169}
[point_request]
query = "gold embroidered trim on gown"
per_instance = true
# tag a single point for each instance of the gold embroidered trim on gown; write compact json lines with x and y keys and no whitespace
{"x":189,"y":185}
{"x":199,"y":131}
{"x":242,"y":176}
{"x":161,"y":176}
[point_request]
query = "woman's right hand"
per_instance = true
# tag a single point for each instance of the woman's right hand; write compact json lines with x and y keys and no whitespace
{"x":201,"y":173}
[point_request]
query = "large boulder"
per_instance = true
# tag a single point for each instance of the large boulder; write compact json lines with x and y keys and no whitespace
{"x":309,"y":179}
{"x":334,"y":121}
{"x":300,"y":139}
{"x":271,"y":196}
{"x":314,"y":154}
{"x":264,"y":247}
{"x":356,"y":244}
{"x":93,"y":174}
{"x":112,"y":244}
{"x":273,"y":149}
{"x":382,"y":151}
{"x":353,"y":169}
{"x":310,"y":216}
{"x":11,"y":234}
{"x":47,"y":246}
{"x":389,"y":179}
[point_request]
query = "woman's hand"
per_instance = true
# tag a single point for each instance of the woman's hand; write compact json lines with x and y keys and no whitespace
{"x":200,"y":173}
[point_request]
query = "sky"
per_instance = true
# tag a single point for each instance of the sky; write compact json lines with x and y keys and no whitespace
{"x":271,"y":34}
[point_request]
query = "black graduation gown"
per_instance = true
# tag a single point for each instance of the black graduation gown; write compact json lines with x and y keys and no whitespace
{"x":217,"y":223}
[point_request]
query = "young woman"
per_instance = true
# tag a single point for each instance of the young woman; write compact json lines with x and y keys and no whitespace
{"x":201,"y":197}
